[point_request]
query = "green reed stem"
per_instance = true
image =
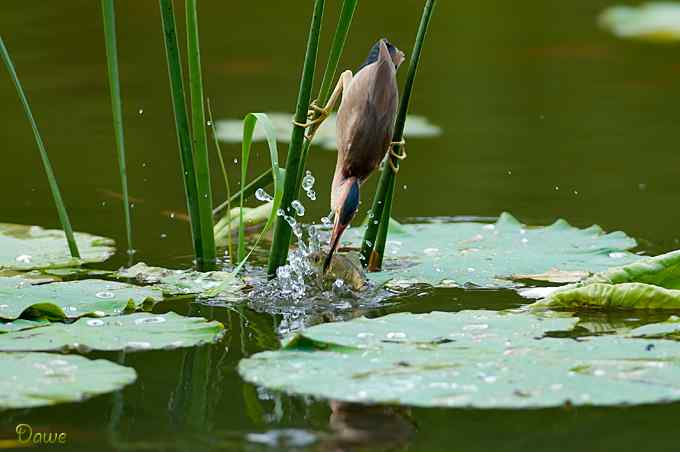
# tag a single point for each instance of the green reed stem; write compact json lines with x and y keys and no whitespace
{"x":181,"y":122}
{"x":225,"y":177}
{"x":373,"y":246}
{"x":51,"y":179}
{"x":109,"y":16}
{"x":208,"y":257}
{"x":337,"y":46}
{"x":282,"y":230}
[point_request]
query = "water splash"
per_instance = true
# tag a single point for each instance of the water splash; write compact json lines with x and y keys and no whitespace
{"x":263,"y":196}
{"x":308,"y":185}
{"x":298,"y":208}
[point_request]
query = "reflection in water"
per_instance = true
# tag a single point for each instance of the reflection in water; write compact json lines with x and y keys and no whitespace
{"x":385,"y":428}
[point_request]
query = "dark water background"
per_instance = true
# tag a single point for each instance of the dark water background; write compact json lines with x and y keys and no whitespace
{"x":544,"y":115}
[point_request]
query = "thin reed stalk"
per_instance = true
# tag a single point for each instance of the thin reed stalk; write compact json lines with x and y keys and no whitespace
{"x":51,"y":179}
{"x":373,"y":246}
{"x":337,"y":46}
{"x":109,"y":17}
{"x":282,"y":230}
{"x":181,"y":120}
{"x":225,"y":177}
{"x":208,"y":256}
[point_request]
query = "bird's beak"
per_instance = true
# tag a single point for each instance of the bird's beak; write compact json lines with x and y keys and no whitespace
{"x":346,"y":208}
{"x":338,"y":229}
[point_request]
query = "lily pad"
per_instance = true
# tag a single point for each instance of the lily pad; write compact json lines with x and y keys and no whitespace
{"x":134,"y":332}
{"x":480,"y":359}
{"x":651,"y":283}
{"x":656,"y":22}
{"x":231,"y":130}
{"x":71,"y":299}
{"x":30,"y":380}
{"x":183,"y":282}
{"x":473,"y":254}
{"x":32,"y":247}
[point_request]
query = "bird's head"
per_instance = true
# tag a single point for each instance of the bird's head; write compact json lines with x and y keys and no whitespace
{"x":345,"y":206}
{"x":383,"y":49}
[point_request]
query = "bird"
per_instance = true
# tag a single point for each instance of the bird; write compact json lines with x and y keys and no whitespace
{"x":364,"y":128}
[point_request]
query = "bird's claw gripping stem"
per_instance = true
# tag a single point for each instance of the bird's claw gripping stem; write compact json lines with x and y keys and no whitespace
{"x":392,"y":153}
{"x":315,"y":116}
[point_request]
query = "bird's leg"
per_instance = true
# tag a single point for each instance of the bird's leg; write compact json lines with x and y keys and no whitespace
{"x":392,"y":153}
{"x":316,"y":114}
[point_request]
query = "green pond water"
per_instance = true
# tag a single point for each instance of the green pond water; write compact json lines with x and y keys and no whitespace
{"x":543,"y":115}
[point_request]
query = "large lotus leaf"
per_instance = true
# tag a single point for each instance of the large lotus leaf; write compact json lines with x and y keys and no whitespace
{"x":134,"y":332}
{"x":490,"y":255}
{"x":32,"y":247}
{"x":71,"y":299}
{"x":656,"y":22}
{"x":37,"y":379}
{"x":651,"y":283}
{"x":184,"y":282}
{"x":231,"y":130}
{"x":482,"y":359}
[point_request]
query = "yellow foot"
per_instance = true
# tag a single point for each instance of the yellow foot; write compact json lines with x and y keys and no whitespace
{"x":398,"y":156}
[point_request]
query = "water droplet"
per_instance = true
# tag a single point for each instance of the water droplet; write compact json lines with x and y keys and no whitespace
{"x":311,"y":194}
{"x":280,"y":213}
{"x":262,"y":195}
{"x":172,"y":214}
{"x":338,"y":283}
{"x":642,"y":187}
{"x":140,"y":112}
{"x":164,"y":235}
{"x":290,"y":220}
{"x":509,"y":173}
{"x":397,"y":335}
{"x":132,"y":205}
{"x":557,"y":187}
{"x":308,"y":181}
{"x":147,"y":320}
{"x":104,"y":295}
{"x":24,"y":259}
{"x":298,"y":207}
{"x":617,"y":255}
{"x":481,"y":326}
{"x":208,"y":122}
{"x":325,"y":221}
{"x":405,"y":186}
{"x":236,"y":161}
{"x":95,"y":322}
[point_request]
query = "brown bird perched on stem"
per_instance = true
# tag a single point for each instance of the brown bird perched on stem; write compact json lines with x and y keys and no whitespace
{"x":365,"y":123}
